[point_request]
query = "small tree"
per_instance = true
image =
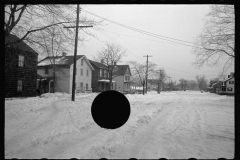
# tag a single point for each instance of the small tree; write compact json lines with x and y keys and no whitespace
{"x":139,"y":71}
{"x":202,"y":82}
{"x":111,"y":55}
{"x":192,"y":84}
{"x":183,"y":83}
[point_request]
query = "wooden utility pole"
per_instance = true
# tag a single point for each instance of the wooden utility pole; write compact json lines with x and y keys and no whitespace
{"x":169,"y":82}
{"x":75,"y":52}
{"x":160,"y":81}
{"x":147,"y":71}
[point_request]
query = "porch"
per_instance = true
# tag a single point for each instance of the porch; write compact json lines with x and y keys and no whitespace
{"x":103,"y":85}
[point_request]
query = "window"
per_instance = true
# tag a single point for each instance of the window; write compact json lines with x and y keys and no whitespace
{"x":21,"y":61}
{"x":81,"y":62}
{"x":86,"y":86}
{"x":81,"y":72}
{"x":231,"y":82}
{"x":229,"y":88}
{"x":46,"y":70}
{"x":105,"y":73}
{"x":100,"y":73}
{"x":87,"y":72}
{"x":19,"y":86}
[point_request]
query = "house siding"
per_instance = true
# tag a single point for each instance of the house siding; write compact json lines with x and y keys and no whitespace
{"x":119,"y":81}
{"x":27,"y":73}
{"x":228,"y":85}
{"x":81,"y":78}
{"x":62,"y":77}
{"x":95,"y":77}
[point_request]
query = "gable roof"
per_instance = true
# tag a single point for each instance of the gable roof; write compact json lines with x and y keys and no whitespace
{"x":21,"y":45}
{"x":98,"y":64}
{"x":59,"y":60}
{"x":122,"y":69}
{"x":228,"y":79}
{"x":217,"y":83}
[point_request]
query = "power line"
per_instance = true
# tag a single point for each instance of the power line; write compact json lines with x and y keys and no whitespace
{"x":124,"y":40}
{"x":115,"y":42}
{"x":145,"y":32}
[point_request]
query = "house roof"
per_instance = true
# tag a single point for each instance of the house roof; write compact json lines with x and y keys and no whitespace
{"x":122,"y":69}
{"x":21,"y":45}
{"x":228,"y":79}
{"x":98,"y":64}
{"x":59,"y":60}
{"x":217,"y":83}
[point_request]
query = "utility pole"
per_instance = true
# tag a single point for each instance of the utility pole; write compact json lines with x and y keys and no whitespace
{"x":147,"y":71}
{"x":169,"y":82}
{"x":75,"y":52}
{"x":160,"y":81}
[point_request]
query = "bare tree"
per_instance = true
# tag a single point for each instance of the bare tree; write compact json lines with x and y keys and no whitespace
{"x":217,"y":40}
{"x":53,"y":45}
{"x":111,"y":55}
{"x":202,"y":82}
{"x":139,"y":71}
{"x":183,"y":83}
{"x":192,"y":84}
{"x":25,"y":21}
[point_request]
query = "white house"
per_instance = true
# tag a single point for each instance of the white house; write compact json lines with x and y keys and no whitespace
{"x":64,"y":71}
{"x":122,"y":78}
{"x":228,"y":85}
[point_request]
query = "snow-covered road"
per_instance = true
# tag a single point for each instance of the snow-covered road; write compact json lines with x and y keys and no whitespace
{"x":187,"y":124}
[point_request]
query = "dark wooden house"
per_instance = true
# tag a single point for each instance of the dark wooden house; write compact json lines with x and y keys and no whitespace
{"x":20,"y":69}
{"x":100,"y":79}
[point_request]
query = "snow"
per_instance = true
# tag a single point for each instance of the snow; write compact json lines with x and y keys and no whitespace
{"x":169,"y":125}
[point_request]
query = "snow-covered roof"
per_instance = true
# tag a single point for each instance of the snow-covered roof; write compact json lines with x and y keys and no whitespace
{"x":228,"y":79}
{"x":59,"y":60}
{"x":105,"y":80}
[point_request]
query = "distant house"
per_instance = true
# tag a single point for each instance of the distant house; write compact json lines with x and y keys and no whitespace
{"x":227,"y":86}
{"x":216,"y":87}
{"x":20,"y":69}
{"x":123,"y":78}
{"x":100,"y":77}
{"x":64,"y":73}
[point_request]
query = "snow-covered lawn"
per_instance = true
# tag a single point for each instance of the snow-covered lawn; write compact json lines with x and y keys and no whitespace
{"x":180,"y":124}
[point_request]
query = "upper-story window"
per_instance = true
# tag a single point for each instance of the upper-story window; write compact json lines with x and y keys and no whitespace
{"x":105,"y":73}
{"x":86,"y":86}
{"x":100,"y":72}
{"x":87,"y":72}
{"x":231,"y":82}
{"x":81,"y":62}
{"x":81,"y":72}
{"x":20,"y":60}
{"x":127,"y":78}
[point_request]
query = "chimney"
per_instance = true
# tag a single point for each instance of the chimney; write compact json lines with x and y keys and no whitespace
{"x":102,"y":61}
{"x":64,"y":53}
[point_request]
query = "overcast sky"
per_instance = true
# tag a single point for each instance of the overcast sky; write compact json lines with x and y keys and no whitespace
{"x":183,"y":22}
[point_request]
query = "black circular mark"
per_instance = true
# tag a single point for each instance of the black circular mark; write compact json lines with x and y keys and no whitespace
{"x":110,"y":109}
